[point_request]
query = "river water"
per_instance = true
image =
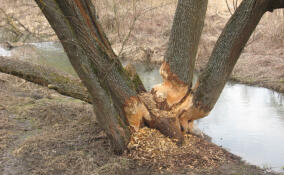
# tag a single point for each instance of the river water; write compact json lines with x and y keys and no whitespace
{"x":247,"y":121}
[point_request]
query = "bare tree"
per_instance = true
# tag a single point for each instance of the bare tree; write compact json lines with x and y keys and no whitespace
{"x":172,"y":106}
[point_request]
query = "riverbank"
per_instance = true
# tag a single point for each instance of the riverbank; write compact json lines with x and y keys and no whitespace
{"x":43,"y":132}
{"x":256,"y":69}
{"x":260,"y":64}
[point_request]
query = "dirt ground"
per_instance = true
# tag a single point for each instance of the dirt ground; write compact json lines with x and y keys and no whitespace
{"x":43,"y":132}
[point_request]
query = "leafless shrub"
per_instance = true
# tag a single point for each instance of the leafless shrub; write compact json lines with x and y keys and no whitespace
{"x":23,"y":19}
{"x":234,"y":5}
{"x":119,"y":18}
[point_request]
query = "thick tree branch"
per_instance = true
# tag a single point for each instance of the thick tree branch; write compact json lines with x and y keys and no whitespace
{"x":113,"y":92}
{"x":174,"y":94}
{"x":227,"y":51}
{"x":41,"y":75}
{"x":91,"y":58}
{"x":172,"y":106}
{"x":185,"y":35}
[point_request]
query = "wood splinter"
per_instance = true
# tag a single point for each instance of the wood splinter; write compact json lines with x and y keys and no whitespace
{"x":168,"y":107}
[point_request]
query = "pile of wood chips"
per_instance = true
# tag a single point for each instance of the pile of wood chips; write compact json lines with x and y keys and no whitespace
{"x":150,"y":146}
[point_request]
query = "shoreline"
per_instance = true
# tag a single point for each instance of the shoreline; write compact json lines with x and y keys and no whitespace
{"x":252,"y":78}
{"x":41,"y":122}
{"x":273,"y":85}
{"x":43,"y":132}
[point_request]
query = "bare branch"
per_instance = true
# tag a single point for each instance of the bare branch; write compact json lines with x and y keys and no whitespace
{"x":228,"y":6}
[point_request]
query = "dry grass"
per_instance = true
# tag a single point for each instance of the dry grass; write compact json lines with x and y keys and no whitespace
{"x":47,"y":133}
{"x":42,"y":132}
{"x":51,"y":134}
{"x":23,"y":21}
{"x":139,"y":31}
{"x":137,"y":25}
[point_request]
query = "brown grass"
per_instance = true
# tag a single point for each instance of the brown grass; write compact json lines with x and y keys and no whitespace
{"x":42,"y":132}
{"x":47,"y":133}
{"x":51,"y":134}
{"x":24,"y":21}
{"x":140,"y":24}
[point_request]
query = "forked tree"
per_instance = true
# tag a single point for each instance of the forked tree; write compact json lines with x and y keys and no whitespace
{"x":120,"y":103}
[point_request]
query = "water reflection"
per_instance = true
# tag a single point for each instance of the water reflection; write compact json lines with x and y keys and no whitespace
{"x":52,"y":54}
{"x":4,"y":52}
{"x":249,"y":121}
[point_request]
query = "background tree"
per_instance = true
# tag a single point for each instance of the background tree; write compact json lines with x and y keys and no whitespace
{"x":171,"y":106}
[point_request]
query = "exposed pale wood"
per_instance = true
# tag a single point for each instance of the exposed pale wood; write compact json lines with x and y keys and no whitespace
{"x":175,"y":97}
{"x":211,"y":83}
{"x":136,"y":112}
{"x":172,"y":90}
{"x":177,"y":70}
{"x":172,"y":106}
{"x":165,"y":121}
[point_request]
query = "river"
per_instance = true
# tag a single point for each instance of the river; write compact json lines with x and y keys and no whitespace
{"x":247,"y":121}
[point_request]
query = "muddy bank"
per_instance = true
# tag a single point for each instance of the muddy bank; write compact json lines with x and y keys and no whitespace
{"x":43,"y":132}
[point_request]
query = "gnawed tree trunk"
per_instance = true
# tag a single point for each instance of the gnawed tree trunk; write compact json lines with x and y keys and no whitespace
{"x":227,"y":51}
{"x":223,"y":58}
{"x":189,"y":104}
{"x":90,"y":54}
{"x":171,"y":106}
{"x":113,"y":93}
{"x":177,"y":70}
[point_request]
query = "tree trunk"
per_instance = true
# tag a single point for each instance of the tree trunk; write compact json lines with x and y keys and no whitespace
{"x":95,"y":63}
{"x":171,"y":106}
{"x":189,"y":105}
{"x":224,"y":57}
{"x":227,"y":51}
{"x":41,"y":75}
{"x":178,"y":67}
{"x":184,"y":39}
{"x":113,"y":93}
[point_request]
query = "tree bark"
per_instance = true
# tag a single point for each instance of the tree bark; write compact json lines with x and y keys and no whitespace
{"x":41,"y":75}
{"x":178,"y":67}
{"x":113,"y":93}
{"x":95,"y":63}
{"x":171,"y":106}
{"x":227,"y":51}
{"x":189,"y":105}
{"x":184,"y":39}
{"x":275,"y":4}
{"x":54,"y":79}
{"x":224,"y":57}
